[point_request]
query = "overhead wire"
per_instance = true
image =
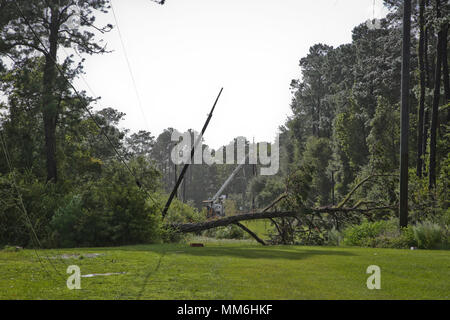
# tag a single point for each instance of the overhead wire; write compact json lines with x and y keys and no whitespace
{"x":44,"y":48}
{"x":23,"y":210}
{"x":133,"y":79}
{"x":120,"y":157}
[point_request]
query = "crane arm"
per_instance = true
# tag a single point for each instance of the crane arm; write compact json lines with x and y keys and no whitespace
{"x":227,"y":182}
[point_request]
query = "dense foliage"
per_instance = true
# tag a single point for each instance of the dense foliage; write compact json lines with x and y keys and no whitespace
{"x":345,"y":126}
{"x":70,"y":176}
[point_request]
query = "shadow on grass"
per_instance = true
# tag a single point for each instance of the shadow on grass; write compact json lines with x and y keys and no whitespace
{"x":262,"y":253}
{"x":246,"y":252}
{"x":147,"y":277}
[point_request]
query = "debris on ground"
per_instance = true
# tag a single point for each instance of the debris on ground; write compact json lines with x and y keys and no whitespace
{"x":197,"y":245}
{"x":101,"y":274}
{"x":79,"y":256}
{"x":12,"y":248}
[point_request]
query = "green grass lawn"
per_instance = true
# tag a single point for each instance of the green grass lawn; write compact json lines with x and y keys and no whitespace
{"x":227,"y":270}
{"x":260,"y":227}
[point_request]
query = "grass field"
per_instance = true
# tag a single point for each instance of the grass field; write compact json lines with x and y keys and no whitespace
{"x":226,"y":270}
{"x":260,"y":227}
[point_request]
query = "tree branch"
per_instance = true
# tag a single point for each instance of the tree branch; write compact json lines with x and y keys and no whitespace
{"x":250,"y":233}
{"x":362,"y":182}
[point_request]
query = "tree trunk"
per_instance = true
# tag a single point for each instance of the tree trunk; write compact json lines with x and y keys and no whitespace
{"x":426,"y":119}
{"x":49,"y":106}
{"x":405,"y":114}
{"x":420,"y":123}
{"x":445,"y":68}
{"x":435,"y":109}
{"x":317,"y":120}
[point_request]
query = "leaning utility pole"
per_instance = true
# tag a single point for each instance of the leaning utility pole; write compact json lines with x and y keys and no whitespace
{"x":404,"y":124}
{"x":186,"y":165}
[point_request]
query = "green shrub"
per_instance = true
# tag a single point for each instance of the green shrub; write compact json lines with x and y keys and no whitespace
{"x":180,"y":212}
{"x":445,"y":217}
{"x":407,"y":235}
{"x":379,"y":234}
{"x":117,"y":213}
{"x":65,"y":220}
{"x":109,"y":211}
{"x":40,"y":200}
{"x":362,"y":235}
{"x":228,"y":232}
{"x":429,"y":235}
{"x":402,"y":239}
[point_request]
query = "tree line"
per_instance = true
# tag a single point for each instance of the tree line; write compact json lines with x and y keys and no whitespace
{"x":72,"y":175}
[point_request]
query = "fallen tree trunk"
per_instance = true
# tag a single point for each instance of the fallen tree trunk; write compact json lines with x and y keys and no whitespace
{"x":250,"y":232}
{"x":196,"y":227}
{"x":265,"y":214}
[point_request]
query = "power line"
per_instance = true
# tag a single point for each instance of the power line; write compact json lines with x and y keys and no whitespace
{"x":22,"y":208}
{"x":93,"y":119}
{"x":129,"y":66}
{"x":120,"y":157}
{"x":373,"y":10}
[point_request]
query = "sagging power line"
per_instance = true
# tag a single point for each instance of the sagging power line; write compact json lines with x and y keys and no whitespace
{"x":61,"y":72}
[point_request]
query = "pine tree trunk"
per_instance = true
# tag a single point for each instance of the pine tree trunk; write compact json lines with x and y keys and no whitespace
{"x":426,"y":119}
{"x":405,"y":113}
{"x":435,"y":110}
{"x":420,"y":123}
{"x":49,"y":105}
{"x":445,"y":68}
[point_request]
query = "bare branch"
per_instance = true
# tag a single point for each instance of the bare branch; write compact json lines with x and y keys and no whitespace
{"x":362,"y":182}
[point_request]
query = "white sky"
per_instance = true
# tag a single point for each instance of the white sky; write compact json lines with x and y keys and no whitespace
{"x":182,"y":53}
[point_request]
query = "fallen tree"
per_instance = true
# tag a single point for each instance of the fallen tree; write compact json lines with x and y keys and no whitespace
{"x":362,"y":207}
{"x":250,"y":232}
{"x":197,"y":227}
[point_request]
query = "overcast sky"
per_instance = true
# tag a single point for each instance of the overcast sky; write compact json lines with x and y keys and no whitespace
{"x":182,"y":53}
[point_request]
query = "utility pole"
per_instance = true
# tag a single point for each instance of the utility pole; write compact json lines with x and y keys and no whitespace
{"x":183,"y":171}
{"x":404,"y":122}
